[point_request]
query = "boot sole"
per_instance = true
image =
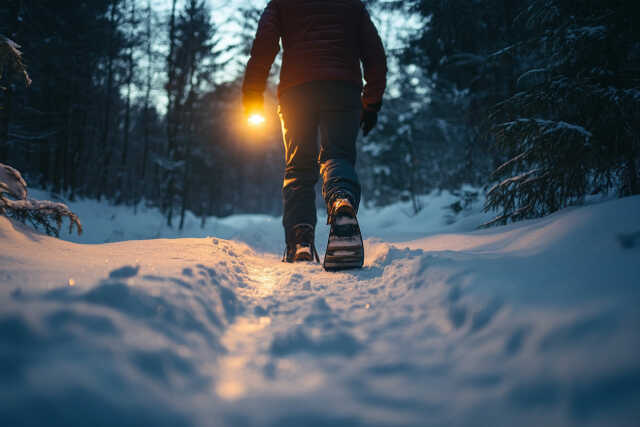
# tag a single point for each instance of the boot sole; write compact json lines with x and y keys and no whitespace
{"x":344,"y":248}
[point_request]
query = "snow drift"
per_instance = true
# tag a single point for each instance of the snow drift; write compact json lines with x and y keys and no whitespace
{"x":530,"y":324}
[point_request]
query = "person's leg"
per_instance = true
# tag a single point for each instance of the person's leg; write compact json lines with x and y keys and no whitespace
{"x":299,"y":131}
{"x":339,"y":122}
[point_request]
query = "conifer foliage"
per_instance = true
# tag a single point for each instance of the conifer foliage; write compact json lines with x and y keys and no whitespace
{"x":11,"y":60}
{"x":14,"y":201}
{"x":572,"y":127}
{"x":539,"y":100}
{"x":40,"y":213}
{"x":132,"y":102}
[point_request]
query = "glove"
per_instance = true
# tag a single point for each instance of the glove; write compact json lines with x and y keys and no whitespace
{"x":368,"y":121}
{"x":369,"y":116}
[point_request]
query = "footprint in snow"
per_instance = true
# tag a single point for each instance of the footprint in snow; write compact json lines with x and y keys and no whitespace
{"x":125,"y":272}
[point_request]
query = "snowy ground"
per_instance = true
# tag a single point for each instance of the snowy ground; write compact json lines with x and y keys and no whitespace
{"x":530,"y":324}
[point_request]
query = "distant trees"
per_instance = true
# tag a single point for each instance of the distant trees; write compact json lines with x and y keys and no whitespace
{"x":11,"y":69}
{"x":14,"y":201}
{"x":124,"y":107}
{"x":537,"y":99}
{"x":434,"y":115}
{"x":190,"y":63}
{"x":571,"y":127}
{"x":209,"y":168}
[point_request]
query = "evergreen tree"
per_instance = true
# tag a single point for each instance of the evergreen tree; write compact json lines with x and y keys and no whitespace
{"x":191,"y":65}
{"x":444,"y":81}
{"x":572,"y":128}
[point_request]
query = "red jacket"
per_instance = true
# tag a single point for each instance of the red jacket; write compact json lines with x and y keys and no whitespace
{"x":321,"y":40}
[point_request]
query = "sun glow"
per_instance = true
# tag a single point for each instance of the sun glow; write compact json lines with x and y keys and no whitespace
{"x":255,"y":120}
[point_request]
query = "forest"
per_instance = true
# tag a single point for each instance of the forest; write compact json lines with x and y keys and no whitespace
{"x":533,"y":102}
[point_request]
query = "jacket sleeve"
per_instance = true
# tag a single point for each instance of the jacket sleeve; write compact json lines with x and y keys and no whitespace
{"x":264,"y":50}
{"x":374,"y":64}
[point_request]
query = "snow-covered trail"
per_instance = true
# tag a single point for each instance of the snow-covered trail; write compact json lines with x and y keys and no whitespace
{"x":531,"y":324}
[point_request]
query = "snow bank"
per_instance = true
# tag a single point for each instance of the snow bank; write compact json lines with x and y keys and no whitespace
{"x":104,"y":223}
{"x":530,"y":324}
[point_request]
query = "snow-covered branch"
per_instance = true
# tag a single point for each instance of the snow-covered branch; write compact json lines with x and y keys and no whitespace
{"x":11,"y":57}
{"x":15,"y":203}
{"x":511,"y":180}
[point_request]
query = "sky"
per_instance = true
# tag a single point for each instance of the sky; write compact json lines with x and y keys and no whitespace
{"x":392,"y":26}
{"x":228,"y":31}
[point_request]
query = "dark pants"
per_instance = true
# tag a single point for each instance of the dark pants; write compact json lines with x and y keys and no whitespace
{"x":320,"y":115}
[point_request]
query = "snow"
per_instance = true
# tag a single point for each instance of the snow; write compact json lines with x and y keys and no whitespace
{"x":591,"y":31}
{"x":532,"y":77}
{"x":534,"y":323}
{"x":561,"y":126}
{"x":105,"y":223}
{"x":12,"y":183}
{"x":550,"y":126}
{"x":513,"y":179}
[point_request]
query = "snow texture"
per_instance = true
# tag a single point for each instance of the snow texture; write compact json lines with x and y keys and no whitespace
{"x":549,"y":126}
{"x":530,"y":324}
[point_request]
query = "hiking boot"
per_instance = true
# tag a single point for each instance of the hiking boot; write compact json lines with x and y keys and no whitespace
{"x":344,"y":248}
{"x":300,"y":244}
{"x":341,"y":207}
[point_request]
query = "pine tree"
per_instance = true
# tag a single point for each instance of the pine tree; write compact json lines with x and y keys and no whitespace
{"x":192,"y":64}
{"x":573,"y":126}
{"x":14,"y":200}
{"x":439,"y":92}
{"x":11,"y":67}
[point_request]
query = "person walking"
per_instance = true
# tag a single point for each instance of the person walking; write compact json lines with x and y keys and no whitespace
{"x":322,"y":106}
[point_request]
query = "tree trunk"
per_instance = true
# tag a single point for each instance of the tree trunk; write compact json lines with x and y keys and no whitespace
{"x":6,"y":96}
{"x":171,"y":119}
{"x":186,"y":186}
{"x":68,"y":143}
{"x":147,"y":94}
{"x":127,"y":124}
{"x":125,"y":142}
{"x":45,"y":156}
{"x":414,"y":182}
{"x":5,"y":117}
{"x":105,"y":144}
{"x":77,"y":154}
{"x":186,"y":177}
{"x":127,"y":113}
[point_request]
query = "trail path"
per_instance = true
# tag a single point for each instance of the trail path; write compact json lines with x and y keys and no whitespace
{"x":530,"y":324}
